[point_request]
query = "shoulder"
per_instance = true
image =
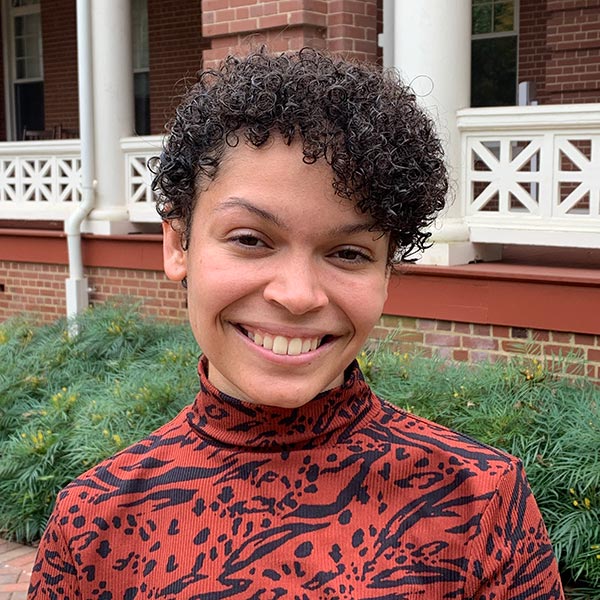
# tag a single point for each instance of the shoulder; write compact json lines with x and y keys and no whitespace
{"x":435,"y":447}
{"x":127,"y":471}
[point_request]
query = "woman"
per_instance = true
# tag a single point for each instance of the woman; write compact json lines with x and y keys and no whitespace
{"x":288,"y":187}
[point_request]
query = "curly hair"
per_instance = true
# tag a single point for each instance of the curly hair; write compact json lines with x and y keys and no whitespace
{"x":383,"y":150}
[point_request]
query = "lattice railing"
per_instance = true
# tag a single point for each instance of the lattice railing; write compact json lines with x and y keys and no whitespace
{"x":531,"y":175}
{"x":39,"y":180}
{"x":138,"y":178}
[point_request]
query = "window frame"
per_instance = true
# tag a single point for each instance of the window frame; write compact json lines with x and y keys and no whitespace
{"x":9,"y":14}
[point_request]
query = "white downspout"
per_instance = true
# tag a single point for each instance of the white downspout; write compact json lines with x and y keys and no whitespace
{"x":77,"y":284}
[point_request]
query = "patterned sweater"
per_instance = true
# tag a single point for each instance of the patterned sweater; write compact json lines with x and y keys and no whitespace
{"x":346,"y":497}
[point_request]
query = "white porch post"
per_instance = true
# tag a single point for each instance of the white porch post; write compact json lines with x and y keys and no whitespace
{"x":432,"y":51}
{"x":113,"y":112}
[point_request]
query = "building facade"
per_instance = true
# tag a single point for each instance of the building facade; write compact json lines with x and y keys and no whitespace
{"x":514,"y":84}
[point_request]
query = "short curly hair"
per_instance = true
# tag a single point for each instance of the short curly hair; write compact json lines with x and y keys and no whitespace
{"x":365,"y":123}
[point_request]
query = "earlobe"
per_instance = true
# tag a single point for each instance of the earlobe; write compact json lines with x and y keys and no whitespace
{"x":174,"y":256}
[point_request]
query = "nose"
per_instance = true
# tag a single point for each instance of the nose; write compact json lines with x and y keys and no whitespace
{"x":296,"y":286}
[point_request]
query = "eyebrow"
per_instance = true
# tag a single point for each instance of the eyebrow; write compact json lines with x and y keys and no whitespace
{"x":235,"y":202}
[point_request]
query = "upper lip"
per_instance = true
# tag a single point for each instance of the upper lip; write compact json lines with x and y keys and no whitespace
{"x":285,"y":331}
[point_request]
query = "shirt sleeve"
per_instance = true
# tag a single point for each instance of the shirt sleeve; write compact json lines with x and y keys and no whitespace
{"x":54,"y":574}
{"x":512,"y":557}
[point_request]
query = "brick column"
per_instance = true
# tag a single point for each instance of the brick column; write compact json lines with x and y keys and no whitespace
{"x":352,"y":28}
{"x":235,"y":26}
{"x":348,"y":27}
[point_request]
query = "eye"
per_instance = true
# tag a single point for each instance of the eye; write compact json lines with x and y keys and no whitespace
{"x":352,"y":255}
{"x":247,"y":240}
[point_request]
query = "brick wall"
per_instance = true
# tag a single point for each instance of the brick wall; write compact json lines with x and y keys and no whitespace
{"x":573,"y":38}
{"x":572,"y":353}
{"x":352,"y":28}
{"x":533,"y":51}
{"x":345,"y":26}
{"x":559,"y":49}
{"x":59,"y":31}
{"x":176,"y":46}
{"x":234,"y":26}
{"x":39,"y":290}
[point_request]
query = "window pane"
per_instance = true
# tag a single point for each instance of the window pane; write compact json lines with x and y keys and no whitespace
{"x":504,"y":16}
{"x":20,"y":68}
{"x":29,"y":105}
{"x":17,"y":3}
{"x":28,"y":49}
{"x":482,"y":19}
{"x":141,"y":60}
{"x":141,"y":87}
{"x":494,"y":71}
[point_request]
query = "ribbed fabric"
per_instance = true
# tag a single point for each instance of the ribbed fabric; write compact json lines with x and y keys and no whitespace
{"x":346,"y":497}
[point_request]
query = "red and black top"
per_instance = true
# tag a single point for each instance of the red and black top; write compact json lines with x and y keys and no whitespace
{"x":346,"y":497}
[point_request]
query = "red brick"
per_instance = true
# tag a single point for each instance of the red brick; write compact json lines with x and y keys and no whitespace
{"x":481,"y":343}
{"x":462,"y":328}
{"x":460,"y":355}
{"x":500,"y":331}
{"x":441,"y":339}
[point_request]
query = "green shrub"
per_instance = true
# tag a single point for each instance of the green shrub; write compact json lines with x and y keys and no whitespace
{"x":67,"y":402}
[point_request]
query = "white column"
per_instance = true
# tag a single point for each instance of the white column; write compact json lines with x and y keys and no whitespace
{"x":432,"y":51}
{"x":113,"y":112}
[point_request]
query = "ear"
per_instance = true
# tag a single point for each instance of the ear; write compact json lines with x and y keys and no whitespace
{"x":174,"y":256}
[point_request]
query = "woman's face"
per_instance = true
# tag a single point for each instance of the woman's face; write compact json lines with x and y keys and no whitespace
{"x":285,"y":280}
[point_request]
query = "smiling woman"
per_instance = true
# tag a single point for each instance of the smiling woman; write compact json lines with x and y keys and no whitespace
{"x":288,"y":186}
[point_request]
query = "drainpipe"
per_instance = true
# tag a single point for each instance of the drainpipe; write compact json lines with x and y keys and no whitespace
{"x":76,"y":284}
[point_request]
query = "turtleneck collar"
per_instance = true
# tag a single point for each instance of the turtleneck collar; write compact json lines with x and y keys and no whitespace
{"x":330,"y":417}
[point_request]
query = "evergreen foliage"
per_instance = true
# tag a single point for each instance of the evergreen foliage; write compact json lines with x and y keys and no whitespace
{"x":67,"y":402}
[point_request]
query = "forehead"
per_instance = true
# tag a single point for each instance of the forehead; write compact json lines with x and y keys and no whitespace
{"x":275,"y":176}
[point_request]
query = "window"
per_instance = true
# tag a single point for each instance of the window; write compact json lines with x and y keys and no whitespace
{"x":27,"y":70}
{"x":494,"y":52}
{"x":141,"y":66}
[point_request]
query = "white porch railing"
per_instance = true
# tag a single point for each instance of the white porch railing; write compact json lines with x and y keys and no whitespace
{"x":140,"y":201}
{"x":39,"y":180}
{"x":531,"y":175}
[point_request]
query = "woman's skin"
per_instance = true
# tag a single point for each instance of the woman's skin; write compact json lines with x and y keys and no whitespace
{"x":285,"y":279}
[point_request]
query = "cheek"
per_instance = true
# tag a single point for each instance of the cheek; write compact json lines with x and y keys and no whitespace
{"x":364,"y":304}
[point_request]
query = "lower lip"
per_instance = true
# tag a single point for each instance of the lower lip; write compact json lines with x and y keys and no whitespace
{"x":286,"y":359}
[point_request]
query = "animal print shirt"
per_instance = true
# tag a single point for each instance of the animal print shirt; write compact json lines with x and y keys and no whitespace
{"x":346,"y":497}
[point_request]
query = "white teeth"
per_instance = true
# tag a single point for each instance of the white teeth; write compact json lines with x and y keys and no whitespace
{"x":279,"y":344}
{"x":294,"y":347}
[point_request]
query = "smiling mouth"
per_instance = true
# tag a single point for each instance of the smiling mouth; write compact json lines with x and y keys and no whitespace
{"x":279,"y":344}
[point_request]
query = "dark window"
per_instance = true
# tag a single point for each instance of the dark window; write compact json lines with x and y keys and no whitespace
{"x":141,"y":89}
{"x":29,"y":106}
{"x":494,"y":53}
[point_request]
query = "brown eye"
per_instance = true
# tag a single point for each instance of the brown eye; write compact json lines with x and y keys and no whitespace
{"x":248,"y":240}
{"x":352,"y":255}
